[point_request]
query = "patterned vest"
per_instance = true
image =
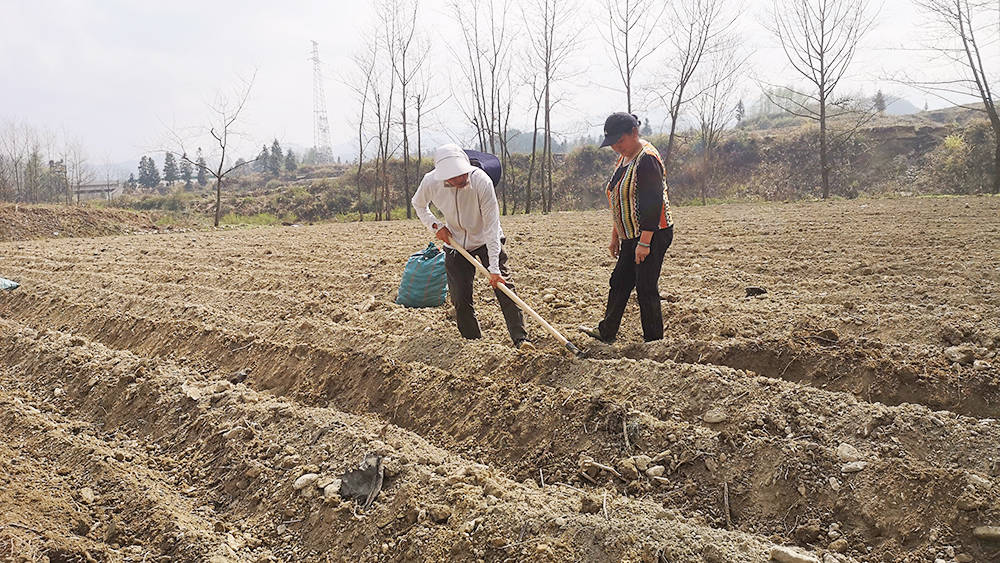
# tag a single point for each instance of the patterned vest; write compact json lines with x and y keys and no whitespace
{"x":623,"y":195}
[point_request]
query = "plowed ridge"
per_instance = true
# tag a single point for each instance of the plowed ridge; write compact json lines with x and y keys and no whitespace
{"x":842,"y":361}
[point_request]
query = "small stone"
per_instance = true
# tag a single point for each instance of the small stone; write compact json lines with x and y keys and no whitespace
{"x":987,"y":533}
{"x":87,"y":495}
{"x":59,"y":392}
{"x":981,"y":365}
{"x":548,"y":298}
{"x":853,"y":467}
{"x":968,"y":503}
{"x":439,"y":513}
{"x":784,"y":554}
{"x":848,"y":453}
{"x":959,"y":354}
{"x":628,"y":469}
{"x":559,"y":521}
{"x":964,"y":558}
{"x":808,"y":532}
{"x":307,"y":480}
{"x":656,"y":471}
{"x":714,"y":415}
{"x":642,"y":462}
{"x":834,"y":484}
{"x":332,"y":490}
{"x":839,"y":546}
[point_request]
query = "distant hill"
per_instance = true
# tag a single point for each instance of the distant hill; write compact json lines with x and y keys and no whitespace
{"x":899,"y":106}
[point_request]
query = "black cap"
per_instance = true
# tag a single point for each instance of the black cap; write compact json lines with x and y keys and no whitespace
{"x":616,"y":125}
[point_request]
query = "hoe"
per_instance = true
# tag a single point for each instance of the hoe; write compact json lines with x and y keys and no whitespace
{"x":520,"y":303}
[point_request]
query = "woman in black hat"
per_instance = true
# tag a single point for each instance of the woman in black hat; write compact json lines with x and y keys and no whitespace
{"x":642,"y":228}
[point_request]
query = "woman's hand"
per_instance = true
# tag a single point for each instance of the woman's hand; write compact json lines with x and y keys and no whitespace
{"x":641,"y":252}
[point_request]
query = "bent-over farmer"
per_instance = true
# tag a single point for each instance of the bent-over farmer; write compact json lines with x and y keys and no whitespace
{"x":464,"y":195}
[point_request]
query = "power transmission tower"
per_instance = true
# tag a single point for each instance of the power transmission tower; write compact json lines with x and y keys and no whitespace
{"x":321,"y":127}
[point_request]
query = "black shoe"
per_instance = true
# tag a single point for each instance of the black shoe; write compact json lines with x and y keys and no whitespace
{"x":593,"y":332}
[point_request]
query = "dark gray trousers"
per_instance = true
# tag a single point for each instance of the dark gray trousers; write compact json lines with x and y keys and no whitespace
{"x":460,"y":277}
{"x":644,"y":278}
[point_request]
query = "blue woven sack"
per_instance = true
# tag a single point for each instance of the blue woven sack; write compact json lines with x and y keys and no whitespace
{"x":424,"y":283}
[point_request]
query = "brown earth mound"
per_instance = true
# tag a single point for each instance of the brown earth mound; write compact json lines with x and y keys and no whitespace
{"x":186,"y":396}
{"x":26,"y":222}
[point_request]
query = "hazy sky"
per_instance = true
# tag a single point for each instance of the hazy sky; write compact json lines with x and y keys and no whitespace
{"x":118,"y":75}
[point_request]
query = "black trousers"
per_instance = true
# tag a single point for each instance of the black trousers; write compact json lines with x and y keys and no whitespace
{"x":460,"y":277}
{"x":644,"y":278}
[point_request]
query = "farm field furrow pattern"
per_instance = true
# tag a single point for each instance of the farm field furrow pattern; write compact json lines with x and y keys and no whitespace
{"x":163,"y":394}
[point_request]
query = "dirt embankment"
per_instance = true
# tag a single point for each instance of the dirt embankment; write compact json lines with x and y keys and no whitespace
{"x":26,"y":222}
{"x":189,"y":381}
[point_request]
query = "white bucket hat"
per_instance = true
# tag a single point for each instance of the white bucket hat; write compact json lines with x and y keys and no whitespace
{"x":451,"y":161}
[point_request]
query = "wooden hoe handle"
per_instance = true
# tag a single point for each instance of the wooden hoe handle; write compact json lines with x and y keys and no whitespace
{"x":520,"y":303}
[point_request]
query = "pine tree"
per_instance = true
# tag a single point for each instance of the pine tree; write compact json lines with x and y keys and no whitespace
{"x":202,"y":175}
{"x":131,"y":183}
{"x":187,"y":171}
{"x":879,"y":102}
{"x":646,"y":130}
{"x":277,"y":159}
{"x":741,"y":111}
{"x":154,"y":173}
{"x":143,"y":171}
{"x":290,"y":163}
{"x":263,"y":162}
{"x":170,"y":172}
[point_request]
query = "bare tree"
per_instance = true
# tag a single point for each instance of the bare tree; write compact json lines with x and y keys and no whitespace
{"x":631,"y":34}
{"x":963,"y":32}
{"x":716,"y":109}
{"x":486,"y":64}
{"x":553,"y":40}
{"x":78,"y":171}
{"x":406,"y":55}
{"x":361,"y":84}
{"x":703,"y":28}
{"x":820,"y":38}
{"x":537,"y":96}
{"x":425,"y":101}
{"x":226,"y":110}
{"x":13,"y":154}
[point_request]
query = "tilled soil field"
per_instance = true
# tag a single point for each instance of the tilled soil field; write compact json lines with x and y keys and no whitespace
{"x":213,"y":396}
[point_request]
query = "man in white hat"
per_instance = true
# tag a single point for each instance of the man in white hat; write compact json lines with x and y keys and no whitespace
{"x":464,"y":195}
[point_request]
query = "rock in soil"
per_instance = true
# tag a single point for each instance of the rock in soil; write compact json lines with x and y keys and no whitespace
{"x":848,"y":453}
{"x":791,"y":555}
{"x":715,"y":415}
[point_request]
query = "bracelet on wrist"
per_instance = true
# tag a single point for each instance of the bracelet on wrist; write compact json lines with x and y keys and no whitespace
{"x":646,"y":244}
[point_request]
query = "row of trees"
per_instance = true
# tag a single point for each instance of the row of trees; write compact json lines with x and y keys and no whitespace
{"x":272,"y":162}
{"x":37,"y":167}
{"x":175,"y":169}
{"x":516,"y":55}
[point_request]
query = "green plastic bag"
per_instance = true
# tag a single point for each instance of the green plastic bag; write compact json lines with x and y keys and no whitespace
{"x":424,"y":283}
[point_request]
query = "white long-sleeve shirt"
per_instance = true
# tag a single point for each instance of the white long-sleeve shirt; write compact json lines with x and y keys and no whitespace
{"x":471,"y":214}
